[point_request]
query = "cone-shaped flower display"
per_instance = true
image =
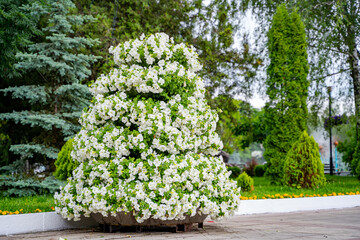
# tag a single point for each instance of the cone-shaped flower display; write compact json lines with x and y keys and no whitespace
{"x":148,"y":142}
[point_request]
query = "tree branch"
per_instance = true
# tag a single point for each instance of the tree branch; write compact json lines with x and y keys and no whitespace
{"x":330,"y":49}
{"x":332,"y":74}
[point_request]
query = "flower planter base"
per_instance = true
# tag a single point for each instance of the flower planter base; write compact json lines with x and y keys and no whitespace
{"x":128,"y":222}
{"x":171,"y":228}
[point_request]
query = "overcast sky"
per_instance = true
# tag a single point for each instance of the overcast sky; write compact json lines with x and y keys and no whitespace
{"x":248,"y":25}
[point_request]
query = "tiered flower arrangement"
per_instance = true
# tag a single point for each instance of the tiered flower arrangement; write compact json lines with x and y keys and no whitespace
{"x":148,"y":144}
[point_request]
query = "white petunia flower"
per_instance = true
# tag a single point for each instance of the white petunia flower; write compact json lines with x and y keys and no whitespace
{"x":141,"y":143}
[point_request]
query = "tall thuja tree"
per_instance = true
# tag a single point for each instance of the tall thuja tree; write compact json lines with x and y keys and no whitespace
{"x":55,"y":96}
{"x":287,"y":88}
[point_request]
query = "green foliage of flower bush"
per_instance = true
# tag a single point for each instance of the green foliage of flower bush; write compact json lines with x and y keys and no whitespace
{"x":65,"y":165}
{"x":303,"y":167}
{"x":245,"y":182}
{"x":148,"y":144}
{"x":260,"y":170}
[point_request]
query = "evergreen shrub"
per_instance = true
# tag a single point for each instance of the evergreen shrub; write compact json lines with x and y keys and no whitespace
{"x":235,"y":171}
{"x":64,"y":163}
{"x":245,"y":182}
{"x":53,"y":68}
{"x":259,"y":170}
{"x":303,"y":167}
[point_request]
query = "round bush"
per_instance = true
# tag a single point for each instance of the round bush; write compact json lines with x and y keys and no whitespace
{"x":245,"y":182}
{"x":303,"y":167}
{"x":260,"y":170}
{"x":64,"y":164}
{"x":148,"y":144}
{"x":235,"y":171}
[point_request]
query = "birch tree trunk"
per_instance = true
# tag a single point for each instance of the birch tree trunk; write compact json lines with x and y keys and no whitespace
{"x":355,"y":75}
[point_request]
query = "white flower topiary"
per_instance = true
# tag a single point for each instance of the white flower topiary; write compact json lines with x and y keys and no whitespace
{"x":148,"y":142}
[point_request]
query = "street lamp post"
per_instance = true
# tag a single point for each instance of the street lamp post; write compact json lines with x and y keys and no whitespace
{"x":331,"y":160}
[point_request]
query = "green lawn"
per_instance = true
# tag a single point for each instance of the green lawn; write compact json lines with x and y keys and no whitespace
{"x":27,"y":204}
{"x":335,"y":184}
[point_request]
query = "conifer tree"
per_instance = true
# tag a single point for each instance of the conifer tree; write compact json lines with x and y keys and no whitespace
{"x":16,"y":30}
{"x":54,"y":96}
{"x":303,"y":167}
{"x":287,"y":88}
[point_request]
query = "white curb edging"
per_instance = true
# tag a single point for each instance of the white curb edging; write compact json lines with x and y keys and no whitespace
{"x":297,"y":204}
{"x":39,"y":222}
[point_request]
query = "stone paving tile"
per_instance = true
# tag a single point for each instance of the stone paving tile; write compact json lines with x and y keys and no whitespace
{"x":324,"y":224}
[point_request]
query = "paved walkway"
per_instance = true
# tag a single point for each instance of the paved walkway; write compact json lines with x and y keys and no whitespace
{"x":322,"y":224}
